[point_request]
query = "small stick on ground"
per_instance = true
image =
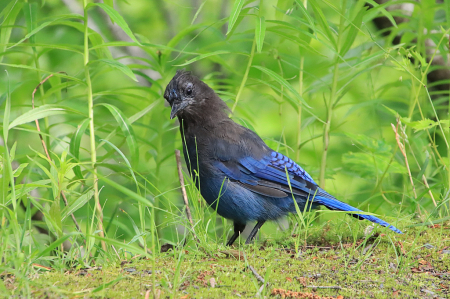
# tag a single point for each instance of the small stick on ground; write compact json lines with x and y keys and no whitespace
{"x":45,"y":146}
{"x":183,"y":193}
{"x":325,"y":287}
{"x":259,"y":277}
{"x":258,"y":294}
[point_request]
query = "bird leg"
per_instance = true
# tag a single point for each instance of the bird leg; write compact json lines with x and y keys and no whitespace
{"x":254,"y":231}
{"x":238,"y":229}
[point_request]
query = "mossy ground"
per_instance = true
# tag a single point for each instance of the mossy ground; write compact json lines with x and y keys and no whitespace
{"x":413,"y":265}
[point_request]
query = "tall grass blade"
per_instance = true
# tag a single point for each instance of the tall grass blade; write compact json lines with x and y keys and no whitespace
{"x":41,"y":112}
{"x":260,"y":33}
{"x":75,"y":143}
{"x":77,"y":204}
{"x":121,"y":67}
{"x":117,"y":18}
{"x":10,"y":13}
{"x":235,"y":11}
{"x":127,"y":131}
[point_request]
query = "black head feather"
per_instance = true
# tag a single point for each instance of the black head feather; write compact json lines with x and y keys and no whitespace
{"x":191,"y":98}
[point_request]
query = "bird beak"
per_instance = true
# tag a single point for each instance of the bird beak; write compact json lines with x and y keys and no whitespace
{"x":176,"y":107}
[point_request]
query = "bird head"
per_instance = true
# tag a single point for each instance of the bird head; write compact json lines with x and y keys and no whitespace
{"x":182,"y":92}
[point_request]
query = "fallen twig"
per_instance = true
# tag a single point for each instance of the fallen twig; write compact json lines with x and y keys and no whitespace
{"x":45,"y":146}
{"x":183,"y":193}
{"x":258,"y":294}
{"x":259,"y":277}
{"x":325,"y":287}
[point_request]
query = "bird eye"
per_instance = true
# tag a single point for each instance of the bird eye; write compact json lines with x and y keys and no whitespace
{"x":188,"y":89}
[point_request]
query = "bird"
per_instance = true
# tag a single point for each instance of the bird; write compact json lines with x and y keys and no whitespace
{"x":236,"y":172}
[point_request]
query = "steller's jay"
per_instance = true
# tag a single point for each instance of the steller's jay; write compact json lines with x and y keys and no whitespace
{"x":239,"y":175}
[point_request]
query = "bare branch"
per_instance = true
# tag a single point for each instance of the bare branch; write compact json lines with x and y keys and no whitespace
{"x":183,"y":192}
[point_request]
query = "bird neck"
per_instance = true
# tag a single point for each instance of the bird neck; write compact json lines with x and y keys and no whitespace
{"x":206,"y":116}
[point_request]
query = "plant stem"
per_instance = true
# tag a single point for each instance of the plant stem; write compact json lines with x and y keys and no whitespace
{"x":447,"y":13}
{"x":299,"y":119}
{"x":98,"y":207}
{"x":300,"y":91}
{"x":244,"y":79}
{"x":326,"y":129}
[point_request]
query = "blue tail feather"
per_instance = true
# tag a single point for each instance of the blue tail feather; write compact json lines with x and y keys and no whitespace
{"x":334,"y":204}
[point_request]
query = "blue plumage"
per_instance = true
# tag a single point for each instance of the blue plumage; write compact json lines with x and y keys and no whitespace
{"x":239,"y":175}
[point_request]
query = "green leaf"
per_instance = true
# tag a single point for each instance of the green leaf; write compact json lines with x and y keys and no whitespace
{"x":7,"y":114}
{"x":277,"y":89}
{"x":395,"y":113}
{"x":369,"y":165}
{"x":26,"y":188}
{"x":46,"y":24}
{"x":109,"y":3}
{"x":19,"y":169}
{"x":420,"y":125}
{"x":132,"y":119}
{"x":53,"y":179}
{"x":7,"y":178}
{"x":126,"y":162}
{"x":136,"y":229}
{"x":424,"y":166}
{"x":373,"y":145}
{"x":322,"y":20}
{"x":47,"y":251}
{"x":121,"y":67}
{"x":198,"y":12}
{"x":107,"y":285}
{"x":202,"y":57}
{"x":62,"y":75}
{"x":121,"y":246}
{"x":116,"y":17}
{"x":128,"y":192}
{"x":235,"y":11}
{"x":260,"y":32}
{"x":306,"y":14}
{"x":30,"y":13}
{"x":74,"y":148}
{"x":56,"y":186}
{"x":281,"y":8}
{"x":41,"y":112}
{"x":55,"y":214}
{"x":127,"y":131}
{"x":10,"y":12}
{"x":78,"y":203}
{"x":142,"y":112}
{"x":372,"y":12}
{"x":419,"y":57}
{"x":95,"y":39}
{"x":423,"y":124}
{"x":352,"y":31}
{"x":283,"y":82}
{"x":285,"y":34}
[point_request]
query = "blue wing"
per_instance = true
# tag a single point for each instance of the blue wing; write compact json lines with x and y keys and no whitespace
{"x":276,"y":175}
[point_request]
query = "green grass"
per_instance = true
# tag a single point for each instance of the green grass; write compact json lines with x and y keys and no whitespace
{"x":376,"y":266}
{"x":97,"y":183}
